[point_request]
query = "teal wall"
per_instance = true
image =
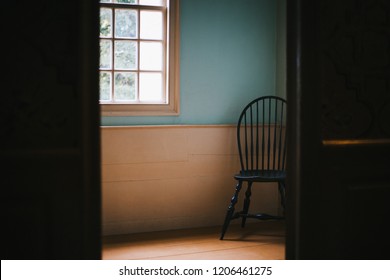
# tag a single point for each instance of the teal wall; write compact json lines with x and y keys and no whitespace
{"x":228,"y":56}
{"x":281,"y":39}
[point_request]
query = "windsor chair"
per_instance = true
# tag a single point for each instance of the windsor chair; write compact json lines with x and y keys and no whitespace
{"x":261,"y":140}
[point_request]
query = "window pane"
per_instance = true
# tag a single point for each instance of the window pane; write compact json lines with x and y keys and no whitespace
{"x":105,"y":85}
{"x":125,"y":55}
{"x":126,"y":1}
{"x":125,"y":23}
{"x":105,"y":54}
{"x":150,"y":87}
{"x":151,"y":23}
{"x":152,"y":2}
{"x":105,"y":22}
{"x":151,"y":56}
{"x":125,"y":84}
{"x":105,"y":1}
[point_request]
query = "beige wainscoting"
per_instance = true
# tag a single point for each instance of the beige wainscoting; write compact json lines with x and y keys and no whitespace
{"x":171,"y":177}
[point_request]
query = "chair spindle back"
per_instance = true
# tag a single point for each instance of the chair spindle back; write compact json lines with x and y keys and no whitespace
{"x":261,"y":134}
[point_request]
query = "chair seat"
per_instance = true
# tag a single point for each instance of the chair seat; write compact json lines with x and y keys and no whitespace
{"x":261,"y":175}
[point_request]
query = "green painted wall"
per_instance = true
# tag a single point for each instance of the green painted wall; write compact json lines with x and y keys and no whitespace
{"x":228,"y":56}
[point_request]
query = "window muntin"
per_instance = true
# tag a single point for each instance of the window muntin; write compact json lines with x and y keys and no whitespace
{"x":139,"y":69}
{"x":132,"y":48}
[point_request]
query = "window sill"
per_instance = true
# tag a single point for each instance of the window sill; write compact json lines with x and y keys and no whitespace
{"x":117,"y":110}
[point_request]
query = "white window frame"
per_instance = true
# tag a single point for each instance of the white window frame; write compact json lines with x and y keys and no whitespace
{"x":171,"y":72}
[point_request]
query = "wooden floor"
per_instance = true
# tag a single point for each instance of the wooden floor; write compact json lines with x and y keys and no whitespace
{"x":262,"y":240}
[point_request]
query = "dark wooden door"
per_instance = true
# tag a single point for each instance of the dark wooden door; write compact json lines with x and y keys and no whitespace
{"x":49,"y":115}
{"x":339,"y":122}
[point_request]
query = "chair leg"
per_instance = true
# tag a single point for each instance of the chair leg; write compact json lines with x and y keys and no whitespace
{"x":230,"y":210}
{"x":247,"y":202}
{"x":282,"y":191}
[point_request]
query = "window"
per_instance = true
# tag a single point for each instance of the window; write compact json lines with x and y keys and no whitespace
{"x":139,"y":51}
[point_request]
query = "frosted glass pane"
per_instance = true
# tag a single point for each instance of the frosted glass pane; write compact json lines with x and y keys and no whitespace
{"x":105,"y":22}
{"x":150,"y":87}
{"x":151,"y":56}
{"x":151,"y":23}
{"x":152,"y":2}
{"x":125,"y":85}
{"x":125,"y":23}
{"x":105,"y":54}
{"x":105,"y":85}
{"x":125,"y":55}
